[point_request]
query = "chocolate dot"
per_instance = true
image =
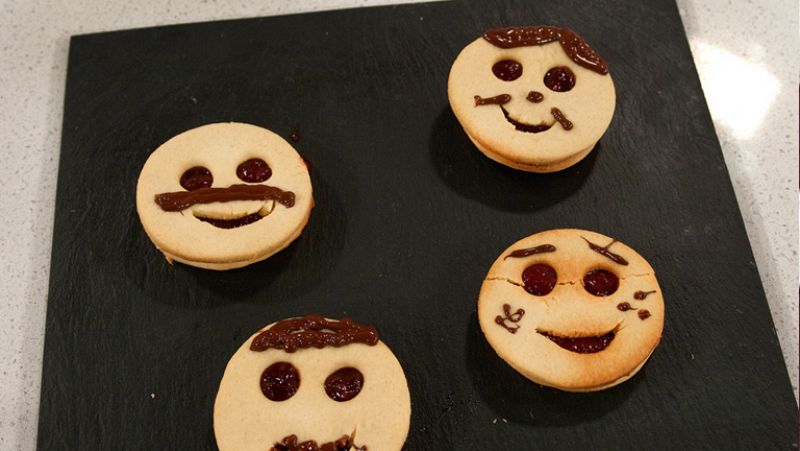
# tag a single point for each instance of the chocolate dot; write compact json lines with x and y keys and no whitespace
{"x":254,"y":170}
{"x":507,"y":70}
{"x":196,"y":178}
{"x":559,"y":79}
{"x":624,"y":306}
{"x":644,"y":314}
{"x":600,"y":282}
{"x":535,"y":96}
{"x":344,"y":384}
{"x":280,"y":381}
{"x":539,"y":279}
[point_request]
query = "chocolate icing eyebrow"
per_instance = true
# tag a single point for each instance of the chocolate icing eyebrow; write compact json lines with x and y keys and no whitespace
{"x":522,"y":253}
{"x":574,"y":46}
{"x":314,"y":331}
{"x":616,"y":258}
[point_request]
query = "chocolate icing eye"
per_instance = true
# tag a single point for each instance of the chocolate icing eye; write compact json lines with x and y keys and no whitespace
{"x":559,"y":79}
{"x":196,"y":178}
{"x":254,"y":170}
{"x":280,"y":381}
{"x":600,"y":282}
{"x":539,"y":279}
{"x":344,"y":384}
{"x":507,"y":70}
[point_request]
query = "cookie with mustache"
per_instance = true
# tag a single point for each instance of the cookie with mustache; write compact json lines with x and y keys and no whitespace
{"x":572,"y":309}
{"x":223,"y":196}
{"x":313,"y":383}
{"x":533,"y":98}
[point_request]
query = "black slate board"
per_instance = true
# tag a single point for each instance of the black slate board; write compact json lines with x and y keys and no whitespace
{"x":409,"y":216}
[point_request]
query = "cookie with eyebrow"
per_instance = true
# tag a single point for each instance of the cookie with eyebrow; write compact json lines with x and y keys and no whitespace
{"x":572,"y":309}
{"x":534,"y":98}
{"x":223,"y":196}
{"x":313,"y":383}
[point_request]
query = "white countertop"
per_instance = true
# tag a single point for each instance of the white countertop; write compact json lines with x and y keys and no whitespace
{"x":746,"y":54}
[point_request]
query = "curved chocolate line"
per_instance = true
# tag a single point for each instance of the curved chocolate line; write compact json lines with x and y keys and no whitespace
{"x":581,"y":345}
{"x":290,"y":443}
{"x":181,"y":200}
{"x":607,"y":253}
{"x":314,"y":331}
{"x":574,"y":46}
{"x":523,"y":127}
{"x":540,"y":249}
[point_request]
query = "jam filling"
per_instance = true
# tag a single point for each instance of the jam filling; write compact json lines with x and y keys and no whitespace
{"x":559,"y":79}
{"x":539,"y":279}
{"x":581,"y":345}
{"x":314,"y":331}
{"x":196,"y":178}
{"x":291,"y":443}
{"x":232,"y":223}
{"x":344,"y":384}
{"x":507,"y":70}
{"x":280,"y":381}
{"x":600,"y":282}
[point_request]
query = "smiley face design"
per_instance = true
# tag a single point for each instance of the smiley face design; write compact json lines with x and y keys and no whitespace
{"x":533,"y":98}
{"x":312,"y":383}
{"x":223,"y":196}
{"x":572,"y":309}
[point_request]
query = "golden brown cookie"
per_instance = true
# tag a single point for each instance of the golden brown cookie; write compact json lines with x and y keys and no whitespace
{"x":313,"y":379}
{"x":572,"y":309}
{"x":533,"y":98}
{"x":223,"y":196}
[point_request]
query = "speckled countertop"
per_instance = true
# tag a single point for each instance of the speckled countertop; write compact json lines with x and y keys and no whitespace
{"x":746,"y":54}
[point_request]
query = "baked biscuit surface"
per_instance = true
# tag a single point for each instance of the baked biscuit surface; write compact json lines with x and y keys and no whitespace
{"x":223,"y":195}
{"x":530,"y":105}
{"x":349,"y":389}
{"x":572,"y":309}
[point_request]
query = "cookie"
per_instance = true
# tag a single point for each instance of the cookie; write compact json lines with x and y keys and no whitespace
{"x":572,"y":309}
{"x":313,"y":379}
{"x":223,"y":196}
{"x":533,"y":98}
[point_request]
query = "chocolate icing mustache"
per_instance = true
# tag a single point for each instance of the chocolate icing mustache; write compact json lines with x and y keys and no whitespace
{"x":182,"y":200}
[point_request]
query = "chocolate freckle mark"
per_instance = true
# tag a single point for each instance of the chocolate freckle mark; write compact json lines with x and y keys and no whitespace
{"x":541,"y":249}
{"x":624,"y":307}
{"x":606,"y":253}
{"x":641,"y":295}
{"x":561,"y":118}
{"x":512,"y":317}
{"x":644,"y":314}
{"x":501,"y":99}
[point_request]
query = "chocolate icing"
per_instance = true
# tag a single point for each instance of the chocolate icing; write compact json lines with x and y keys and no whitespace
{"x":574,"y":46}
{"x":644,"y":314}
{"x":561,"y":118}
{"x":314,"y":331}
{"x":541,"y":249}
{"x":181,"y":200}
{"x":535,"y":96}
{"x":290,"y":443}
{"x":501,"y":99}
{"x":606,"y":253}
{"x":624,"y":307}
{"x":641,"y":295}
{"x":512,"y":317}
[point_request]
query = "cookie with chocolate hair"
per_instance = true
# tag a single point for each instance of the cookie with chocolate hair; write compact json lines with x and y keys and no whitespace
{"x":223,"y":196}
{"x":533,"y":98}
{"x":313,"y":383}
{"x":572,"y":309}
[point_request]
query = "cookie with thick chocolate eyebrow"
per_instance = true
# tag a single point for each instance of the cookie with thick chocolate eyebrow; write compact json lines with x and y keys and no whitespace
{"x":572,"y":309}
{"x":533,"y":98}
{"x":313,"y":383}
{"x":223,"y":196}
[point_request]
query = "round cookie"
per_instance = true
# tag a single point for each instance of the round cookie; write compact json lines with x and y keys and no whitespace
{"x":572,"y":309}
{"x":223,"y":196}
{"x":313,"y":379}
{"x":533,"y":98}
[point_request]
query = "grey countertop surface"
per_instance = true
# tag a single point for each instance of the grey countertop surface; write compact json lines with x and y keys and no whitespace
{"x":746,"y":54}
